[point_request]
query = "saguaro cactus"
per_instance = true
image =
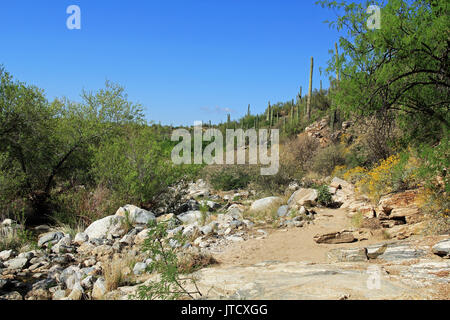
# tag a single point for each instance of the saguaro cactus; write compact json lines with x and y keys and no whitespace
{"x":248,"y":110}
{"x":268,"y":113}
{"x":337,"y":62}
{"x":308,"y":103}
{"x":335,"y":113}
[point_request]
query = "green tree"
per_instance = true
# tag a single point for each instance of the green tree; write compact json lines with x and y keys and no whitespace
{"x":402,"y":67}
{"x":46,"y":145}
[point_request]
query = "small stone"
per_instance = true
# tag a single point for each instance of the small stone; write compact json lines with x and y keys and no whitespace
{"x":6,"y":254}
{"x":77,"y":292}
{"x":190,"y":231}
{"x":282,"y":211}
{"x":139,"y":268}
{"x":11,"y":296}
{"x":16,"y":264}
{"x":59,"y":294}
{"x":80,"y":238}
{"x":50,"y":238}
{"x":335,"y":237}
{"x":99,"y":289}
{"x":442,"y":248}
{"x":87,"y":283}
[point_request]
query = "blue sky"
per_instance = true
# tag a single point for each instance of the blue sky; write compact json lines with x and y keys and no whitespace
{"x":182,"y":60}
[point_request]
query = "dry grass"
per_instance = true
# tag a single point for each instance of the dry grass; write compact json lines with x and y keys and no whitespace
{"x":118,"y":272}
{"x":268,"y":215}
{"x":191,"y":262}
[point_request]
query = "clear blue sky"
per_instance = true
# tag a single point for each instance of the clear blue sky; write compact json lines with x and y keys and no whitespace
{"x":183,"y":60}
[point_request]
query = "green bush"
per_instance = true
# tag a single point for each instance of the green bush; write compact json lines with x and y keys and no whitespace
{"x":324,"y":197}
{"x":231,"y":178}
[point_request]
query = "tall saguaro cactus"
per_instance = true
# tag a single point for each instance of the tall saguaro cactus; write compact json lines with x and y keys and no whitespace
{"x":337,"y":62}
{"x":335,"y":113}
{"x":308,"y":103}
{"x":248,"y":110}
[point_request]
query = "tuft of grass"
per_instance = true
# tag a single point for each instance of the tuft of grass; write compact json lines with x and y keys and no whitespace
{"x":118,"y":273}
{"x":192,"y":262}
{"x":386,"y":235}
{"x":357,"y":219}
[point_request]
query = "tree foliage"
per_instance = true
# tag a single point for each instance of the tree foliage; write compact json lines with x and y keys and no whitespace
{"x":401,"y":67}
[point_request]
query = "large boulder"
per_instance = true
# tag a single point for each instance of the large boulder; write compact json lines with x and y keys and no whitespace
{"x":265,"y":203}
{"x":106,"y":227}
{"x":303,"y":197}
{"x":442,"y":248}
{"x":136,"y":216}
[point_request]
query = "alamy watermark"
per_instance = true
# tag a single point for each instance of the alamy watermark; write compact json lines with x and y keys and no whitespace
{"x":374,"y":280}
{"x":74,"y":20}
{"x":235,"y":147}
{"x":374,"y":21}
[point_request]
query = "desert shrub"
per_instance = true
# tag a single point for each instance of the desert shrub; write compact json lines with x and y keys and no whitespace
{"x":396,"y":173}
{"x":355,"y":174}
{"x":171,"y":284}
{"x":231,"y":177}
{"x":191,"y":262}
{"x":324,"y":196}
{"x":137,"y":166}
{"x":16,"y":236}
{"x":80,"y":206}
{"x":433,"y":171}
{"x":327,"y":159}
{"x":302,"y":150}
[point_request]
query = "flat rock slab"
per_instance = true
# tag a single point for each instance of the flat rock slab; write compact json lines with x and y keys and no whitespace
{"x":347,"y":255}
{"x":295,"y":280}
{"x":335,"y":237}
{"x":396,"y":251}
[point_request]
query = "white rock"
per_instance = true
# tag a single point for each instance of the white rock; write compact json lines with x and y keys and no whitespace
{"x":265,"y":203}
{"x":7,"y":222}
{"x":340,"y":183}
{"x":190,"y":231}
{"x":80,"y":238}
{"x":136,"y":215}
{"x":442,"y":248}
{"x":191,"y":217}
{"x":139,"y":268}
{"x":51,"y":237}
{"x":111,"y":225}
{"x":99,"y":289}
{"x":6,"y":254}
{"x":77,"y":292}
{"x":303,"y":197}
{"x":16,"y":264}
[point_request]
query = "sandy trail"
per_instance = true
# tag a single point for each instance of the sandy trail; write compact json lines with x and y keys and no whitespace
{"x":294,"y":244}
